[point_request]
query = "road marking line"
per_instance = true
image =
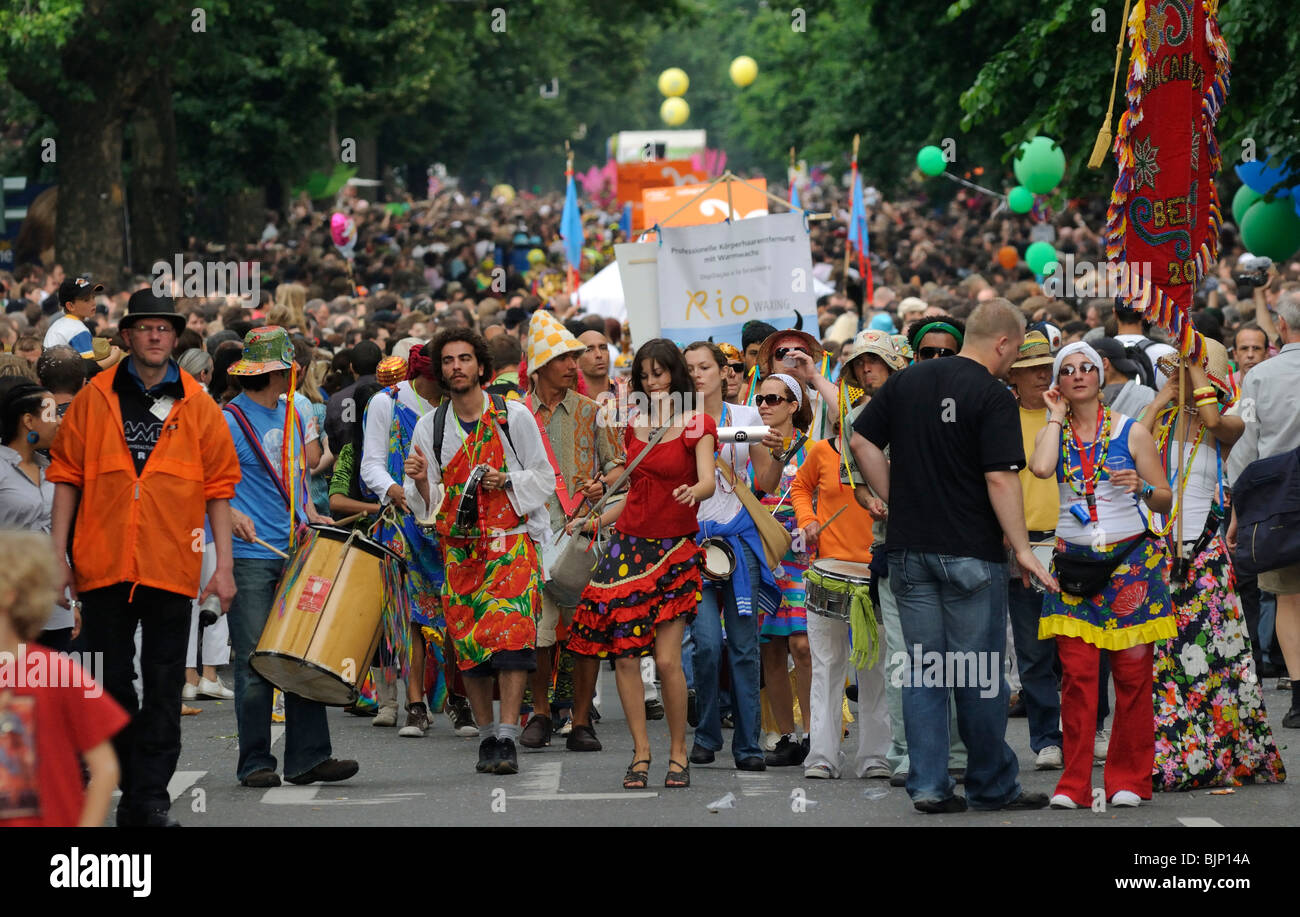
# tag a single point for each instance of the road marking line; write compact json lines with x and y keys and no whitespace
{"x":579,"y":797}
{"x":542,"y":779}
{"x":1200,"y":823}
{"x":306,"y":796}
{"x":180,"y":782}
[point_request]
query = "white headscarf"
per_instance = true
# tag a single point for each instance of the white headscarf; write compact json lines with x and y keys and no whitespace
{"x":793,"y":385}
{"x":1078,"y":347}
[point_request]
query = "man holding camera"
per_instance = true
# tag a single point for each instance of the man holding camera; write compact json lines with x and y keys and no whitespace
{"x":489,"y":456}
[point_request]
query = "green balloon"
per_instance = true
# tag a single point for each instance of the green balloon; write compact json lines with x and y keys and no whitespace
{"x":1020,"y":199}
{"x":1039,"y":255}
{"x":1039,"y":164}
{"x":931,"y":160}
{"x":1272,"y":229}
{"x":1242,"y":201}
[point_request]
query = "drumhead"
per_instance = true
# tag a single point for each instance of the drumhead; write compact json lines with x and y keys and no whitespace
{"x":719,"y":558}
{"x":362,"y":541}
{"x":843,"y":570}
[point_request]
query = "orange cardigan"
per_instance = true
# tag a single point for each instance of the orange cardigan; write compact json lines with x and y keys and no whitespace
{"x":849,"y":538}
{"x":144,"y":529}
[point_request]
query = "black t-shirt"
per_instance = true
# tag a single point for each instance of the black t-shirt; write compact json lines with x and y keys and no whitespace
{"x":947,"y":421}
{"x":140,"y":425}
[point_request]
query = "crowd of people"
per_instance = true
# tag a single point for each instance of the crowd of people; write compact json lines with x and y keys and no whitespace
{"x":960,"y":471}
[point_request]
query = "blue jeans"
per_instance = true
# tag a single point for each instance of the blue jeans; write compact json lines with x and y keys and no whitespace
{"x":1034,"y":659}
{"x":955,"y":605}
{"x":743,"y":658}
{"x":306,"y":731}
{"x":688,"y":655}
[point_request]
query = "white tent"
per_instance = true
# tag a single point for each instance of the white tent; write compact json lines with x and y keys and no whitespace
{"x":603,"y":293}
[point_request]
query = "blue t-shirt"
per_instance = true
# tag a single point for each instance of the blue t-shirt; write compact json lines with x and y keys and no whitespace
{"x":256,"y":495}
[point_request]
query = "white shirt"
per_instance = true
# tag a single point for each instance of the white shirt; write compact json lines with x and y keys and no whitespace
{"x":1201,"y":489}
{"x":724,"y":504}
{"x":70,"y":331}
{"x":374,"y":448}
{"x":532,"y":479}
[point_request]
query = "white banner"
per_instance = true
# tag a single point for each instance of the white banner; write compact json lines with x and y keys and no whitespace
{"x":639,"y":278}
{"x":714,"y":278}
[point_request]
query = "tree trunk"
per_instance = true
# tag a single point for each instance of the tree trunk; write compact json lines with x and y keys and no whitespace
{"x":90,"y":230}
{"x":153,"y":190}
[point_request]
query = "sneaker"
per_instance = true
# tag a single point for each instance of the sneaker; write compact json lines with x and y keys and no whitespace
{"x":582,"y":738}
{"x":417,"y":721}
{"x":1061,"y":801}
{"x":537,"y":734}
{"x":213,"y":690}
{"x":563,"y":726}
{"x":818,"y":772}
{"x":753,"y":763}
{"x":487,"y":755}
{"x":1049,"y":759}
{"x":1101,"y":744}
{"x":190,"y":692}
{"x":787,"y":753}
{"x":461,"y":716}
{"x":262,"y":779}
{"x":387,"y":716}
{"x":1292,"y":719}
{"x":331,"y":770}
{"x":949,"y":806}
{"x":877,"y":772}
{"x":507,"y":761}
{"x":1127,"y":799}
{"x":654,"y":709}
{"x":692,"y":709}
{"x":1027,"y":801}
{"x":769,"y":741}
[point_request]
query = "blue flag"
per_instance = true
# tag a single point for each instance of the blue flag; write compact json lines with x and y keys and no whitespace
{"x":625,"y":221}
{"x":858,"y":218}
{"x":794,"y":197}
{"x":571,"y":226}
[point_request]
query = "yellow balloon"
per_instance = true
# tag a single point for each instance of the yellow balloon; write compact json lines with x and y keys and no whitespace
{"x":674,"y":111}
{"x":674,"y":82}
{"x":504,"y":191}
{"x":743,"y":71}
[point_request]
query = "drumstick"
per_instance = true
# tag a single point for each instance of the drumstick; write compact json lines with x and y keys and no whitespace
{"x":273,"y":550}
{"x":828,"y":522}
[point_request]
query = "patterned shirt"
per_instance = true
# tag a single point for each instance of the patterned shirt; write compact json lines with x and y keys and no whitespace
{"x":583,"y":442}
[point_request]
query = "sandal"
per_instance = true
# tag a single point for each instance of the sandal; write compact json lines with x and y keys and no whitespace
{"x":635,"y":779}
{"x":678,"y":779}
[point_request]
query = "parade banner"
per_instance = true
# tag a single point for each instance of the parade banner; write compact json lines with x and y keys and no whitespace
{"x":638,"y":270}
{"x":1164,"y":210}
{"x":714,"y":278}
{"x":674,"y":206}
{"x":635,"y":177}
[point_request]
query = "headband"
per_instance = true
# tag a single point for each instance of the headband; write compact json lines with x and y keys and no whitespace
{"x":937,"y":326}
{"x":418,"y":364}
{"x":1079,"y":347}
{"x":792,"y":384}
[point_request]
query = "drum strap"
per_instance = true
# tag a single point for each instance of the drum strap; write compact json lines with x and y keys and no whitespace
{"x":255,"y":443}
{"x":568,"y":504}
{"x":440,"y":425}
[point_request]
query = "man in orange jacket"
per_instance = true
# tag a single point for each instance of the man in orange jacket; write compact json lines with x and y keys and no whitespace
{"x":142,"y":455}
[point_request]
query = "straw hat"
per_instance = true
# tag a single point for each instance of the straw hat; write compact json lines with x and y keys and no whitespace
{"x":878,"y":343}
{"x":1035,"y":351}
{"x":1215,"y":364}
{"x":548,"y":339}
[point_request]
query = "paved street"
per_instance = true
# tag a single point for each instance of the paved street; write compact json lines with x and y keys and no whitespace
{"x":431,"y":781}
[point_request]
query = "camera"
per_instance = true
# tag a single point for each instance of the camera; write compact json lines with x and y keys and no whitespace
{"x":1252,"y":271}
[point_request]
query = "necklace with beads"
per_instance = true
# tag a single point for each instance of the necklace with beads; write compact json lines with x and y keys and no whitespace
{"x":1091,"y":459}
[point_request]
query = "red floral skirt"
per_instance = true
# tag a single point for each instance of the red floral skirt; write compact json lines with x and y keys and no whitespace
{"x":639,"y":584}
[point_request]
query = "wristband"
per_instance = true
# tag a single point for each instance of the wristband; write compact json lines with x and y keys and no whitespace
{"x":1205,"y":401}
{"x":1203,"y":390}
{"x":1148,"y":492}
{"x":1057,"y":422}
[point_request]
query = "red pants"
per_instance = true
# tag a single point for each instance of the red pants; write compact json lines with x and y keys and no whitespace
{"x":1133,"y":733}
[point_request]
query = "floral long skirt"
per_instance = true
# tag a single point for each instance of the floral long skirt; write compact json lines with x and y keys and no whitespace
{"x":1211,"y":728}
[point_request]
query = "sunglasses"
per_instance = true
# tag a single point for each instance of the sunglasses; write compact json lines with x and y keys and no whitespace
{"x":1086,"y":369}
{"x":930,"y":353}
{"x":770,"y":400}
{"x":737,"y":368}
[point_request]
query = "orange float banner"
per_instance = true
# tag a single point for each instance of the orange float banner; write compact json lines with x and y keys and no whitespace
{"x":635,"y":177}
{"x":674,"y":207}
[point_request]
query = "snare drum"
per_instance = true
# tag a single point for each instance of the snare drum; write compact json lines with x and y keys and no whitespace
{"x":324,"y":624}
{"x":829,"y":586}
{"x":719,"y":559}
